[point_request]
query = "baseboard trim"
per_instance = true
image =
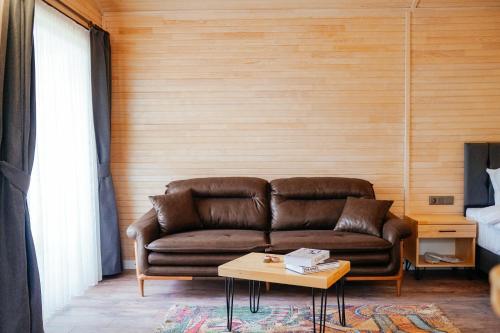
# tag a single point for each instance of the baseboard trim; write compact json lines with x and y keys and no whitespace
{"x":128,"y":264}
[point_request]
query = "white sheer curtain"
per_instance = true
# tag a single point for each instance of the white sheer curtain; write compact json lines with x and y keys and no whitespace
{"x":63,"y":195}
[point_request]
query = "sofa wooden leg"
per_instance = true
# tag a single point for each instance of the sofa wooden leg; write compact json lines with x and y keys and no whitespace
{"x":140,"y":277}
{"x":398,"y":286}
{"x":268,"y":286}
{"x":141,"y":286}
{"x":401,"y":272}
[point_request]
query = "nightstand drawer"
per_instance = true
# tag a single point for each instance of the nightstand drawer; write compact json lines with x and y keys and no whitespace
{"x":446,"y":231}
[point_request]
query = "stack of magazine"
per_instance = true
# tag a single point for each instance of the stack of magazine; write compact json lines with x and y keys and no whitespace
{"x":307,"y":261}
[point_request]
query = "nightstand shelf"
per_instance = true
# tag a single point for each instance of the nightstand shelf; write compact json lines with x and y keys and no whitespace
{"x":466,"y":262}
{"x":452,"y":234}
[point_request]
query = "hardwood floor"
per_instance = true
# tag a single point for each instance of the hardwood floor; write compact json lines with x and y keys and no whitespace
{"x":115,"y":306}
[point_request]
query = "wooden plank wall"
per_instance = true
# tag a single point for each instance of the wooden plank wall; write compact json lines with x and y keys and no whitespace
{"x":277,"y":95}
{"x":303,"y":92}
{"x":455,"y":98}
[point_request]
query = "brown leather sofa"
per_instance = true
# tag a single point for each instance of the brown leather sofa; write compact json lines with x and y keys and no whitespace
{"x":243,"y":214}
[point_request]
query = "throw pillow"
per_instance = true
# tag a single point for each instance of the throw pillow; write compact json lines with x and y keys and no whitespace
{"x":364,"y":216}
{"x":176,"y":212}
{"x":495,"y":181}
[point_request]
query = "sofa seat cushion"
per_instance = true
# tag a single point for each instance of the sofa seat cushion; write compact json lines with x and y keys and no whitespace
{"x":191,"y":259}
{"x":364,"y":258}
{"x":335,"y":241}
{"x":211,"y":241}
{"x":191,"y":271}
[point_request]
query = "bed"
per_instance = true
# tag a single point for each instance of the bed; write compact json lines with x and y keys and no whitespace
{"x":479,"y":203}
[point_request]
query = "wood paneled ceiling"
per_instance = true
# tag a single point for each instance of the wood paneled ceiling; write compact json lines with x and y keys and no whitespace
{"x":163,"y":5}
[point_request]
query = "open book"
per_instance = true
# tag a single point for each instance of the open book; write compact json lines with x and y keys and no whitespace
{"x":313,"y":269}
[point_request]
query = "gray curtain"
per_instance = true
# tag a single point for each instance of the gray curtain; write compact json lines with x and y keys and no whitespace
{"x":20,"y":296}
{"x":101,"y":102}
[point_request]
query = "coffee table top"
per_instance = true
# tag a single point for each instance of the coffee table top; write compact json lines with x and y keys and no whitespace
{"x":252,"y":267}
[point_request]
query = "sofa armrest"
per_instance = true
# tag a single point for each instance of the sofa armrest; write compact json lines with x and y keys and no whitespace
{"x":396,"y":229}
{"x":144,"y":231}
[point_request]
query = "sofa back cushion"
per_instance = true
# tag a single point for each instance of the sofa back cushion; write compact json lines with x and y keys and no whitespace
{"x":313,"y":202}
{"x":228,"y":202}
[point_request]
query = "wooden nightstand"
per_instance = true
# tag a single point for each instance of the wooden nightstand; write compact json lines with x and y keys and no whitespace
{"x":444,"y":234}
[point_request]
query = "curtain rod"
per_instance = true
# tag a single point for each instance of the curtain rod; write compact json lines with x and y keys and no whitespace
{"x":88,"y":23}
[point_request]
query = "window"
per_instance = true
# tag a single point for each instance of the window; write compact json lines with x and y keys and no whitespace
{"x":63,"y":196}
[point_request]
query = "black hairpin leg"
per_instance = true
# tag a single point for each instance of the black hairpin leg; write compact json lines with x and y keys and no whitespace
{"x":229,"y":285}
{"x":254,"y":295}
{"x":322,"y":311}
{"x":339,"y":286}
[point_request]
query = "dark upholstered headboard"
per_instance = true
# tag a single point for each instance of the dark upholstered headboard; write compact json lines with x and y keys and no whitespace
{"x":478,"y":191}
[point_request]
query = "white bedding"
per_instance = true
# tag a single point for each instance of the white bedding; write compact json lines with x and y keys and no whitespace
{"x":486,"y":215}
{"x":488,"y":237}
{"x":488,"y":225}
{"x":495,"y":182}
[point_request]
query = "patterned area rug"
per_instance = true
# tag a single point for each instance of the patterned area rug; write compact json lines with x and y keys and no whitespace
{"x":271,"y":319}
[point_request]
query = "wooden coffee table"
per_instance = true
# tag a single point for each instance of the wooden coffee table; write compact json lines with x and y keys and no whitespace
{"x":252,"y":268}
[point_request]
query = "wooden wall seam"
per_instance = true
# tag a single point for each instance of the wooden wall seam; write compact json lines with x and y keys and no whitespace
{"x":407,"y":112}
